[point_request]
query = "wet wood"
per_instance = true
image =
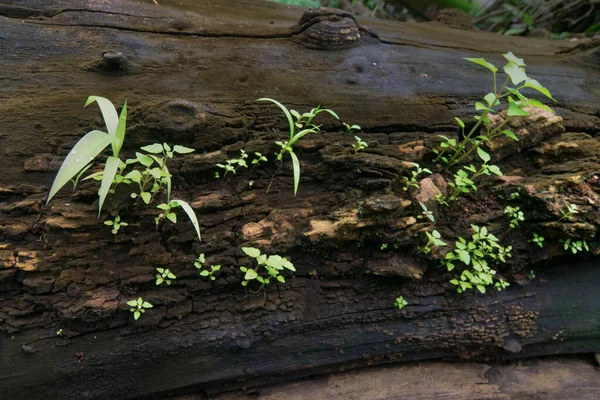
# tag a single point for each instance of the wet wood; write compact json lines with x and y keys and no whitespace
{"x":191,"y":72}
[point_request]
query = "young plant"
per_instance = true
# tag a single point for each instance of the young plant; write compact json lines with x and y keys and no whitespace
{"x":464,"y":183}
{"x":514,"y":215}
{"x":233,"y":164}
{"x":476,"y":255}
{"x":164,"y":275}
{"x":441,"y":200}
{"x":199,"y":264}
{"x":568,"y":214}
{"x":537,"y":239}
{"x":258,"y":158}
{"x":138,"y":307}
{"x":454,"y":152}
{"x":90,"y":146}
{"x":359,"y":145}
{"x":304,"y":124}
{"x":426,"y":213}
{"x":433,"y":239}
{"x":412,"y":181}
{"x":575,"y":246}
{"x":273,"y":266}
{"x":351,"y":128}
{"x":400,"y":303}
{"x":116,"y":224}
{"x":166,"y":212}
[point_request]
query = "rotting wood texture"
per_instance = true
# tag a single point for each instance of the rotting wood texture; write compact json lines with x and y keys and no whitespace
{"x":191,"y":72}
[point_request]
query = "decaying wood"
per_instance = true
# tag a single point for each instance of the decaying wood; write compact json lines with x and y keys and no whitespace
{"x":191,"y":72}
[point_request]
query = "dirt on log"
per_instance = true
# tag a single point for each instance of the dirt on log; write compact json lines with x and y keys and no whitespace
{"x":191,"y":72}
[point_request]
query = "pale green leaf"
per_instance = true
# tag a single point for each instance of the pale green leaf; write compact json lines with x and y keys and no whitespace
{"x":146,"y":197}
{"x":250,"y":274}
{"x":110,"y":170}
{"x":136,"y":315}
{"x":514,"y":59}
{"x":483,"y":155}
{"x":85,"y":150}
{"x":182,"y":150}
{"x":109,"y":113}
{"x":489,"y":98}
{"x":120,"y":132}
{"x":191,"y":215}
{"x":296,"y":165}
{"x":515,"y":111}
{"x":144,"y":159}
{"x":539,"y":104}
{"x":153,"y":148}
{"x":251,"y":251}
{"x":532,"y":83}
{"x":285,"y":111}
{"x":516,"y":73}
{"x":510,"y":134}
{"x":172,"y":217}
{"x":132,"y":303}
{"x":135,"y":176}
{"x":482,"y":62}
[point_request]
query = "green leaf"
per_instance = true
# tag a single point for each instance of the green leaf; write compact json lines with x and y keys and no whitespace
{"x":296,"y":165}
{"x":191,"y":215}
{"x":135,"y":176}
{"x":275,"y":261}
{"x":172,"y":217}
{"x":333,"y":113}
{"x":136,"y":315}
{"x":145,"y":160}
{"x":132,"y":303}
{"x":110,"y":170}
{"x":251,"y":251}
{"x":482,"y":62}
{"x":182,"y":150}
{"x":153,"y":148}
{"x":285,"y":111}
{"x":147,"y":305}
{"x":250,"y":274}
{"x":489,"y":98}
{"x":288,"y":265}
{"x":510,"y":134}
{"x":495,"y":170}
{"x":480,"y":106}
{"x":146,"y":197}
{"x":515,"y":111}
{"x":204,"y":273}
{"x":119,"y":137}
{"x":516,"y":73}
{"x":515,"y":31}
{"x":514,"y":59}
{"x":280,"y":278}
{"x":85,"y":150}
{"x":109,"y":113}
{"x":460,"y":122}
{"x":483,"y":155}
{"x":538,"y":104}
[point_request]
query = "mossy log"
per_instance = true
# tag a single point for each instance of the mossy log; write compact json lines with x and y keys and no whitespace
{"x":191,"y":72}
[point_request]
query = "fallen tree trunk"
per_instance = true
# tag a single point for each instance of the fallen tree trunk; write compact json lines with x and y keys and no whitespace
{"x":191,"y":72}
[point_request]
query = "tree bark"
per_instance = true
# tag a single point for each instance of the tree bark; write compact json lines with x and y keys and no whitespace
{"x":191,"y":72}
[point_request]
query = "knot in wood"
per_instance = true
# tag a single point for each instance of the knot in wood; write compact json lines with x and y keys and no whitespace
{"x":328,"y":29}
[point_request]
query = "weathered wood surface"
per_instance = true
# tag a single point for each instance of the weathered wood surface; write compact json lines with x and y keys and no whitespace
{"x":191,"y":71}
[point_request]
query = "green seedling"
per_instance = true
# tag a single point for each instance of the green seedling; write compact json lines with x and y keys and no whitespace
{"x":273,"y":266}
{"x":138,"y":307}
{"x":412,"y":181}
{"x":453,"y":152}
{"x":164,"y":275}
{"x":90,"y":146}
{"x":116,"y":224}
{"x":441,"y":200}
{"x":258,"y":158}
{"x":359,"y":145}
{"x":514,"y":215}
{"x":167,"y":213}
{"x":232,"y":165}
{"x":351,"y":128}
{"x":537,"y":239}
{"x":568,"y":214}
{"x":574,"y":246}
{"x":400,"y":303}
{"x":199,"y":264}
{"x":434,"y":238}
{"x":383,"y":246}
{"x":475,"y":256}
{"x":464,"y":183}
{"x":303,"y":122}
{"x":426,"y":213}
